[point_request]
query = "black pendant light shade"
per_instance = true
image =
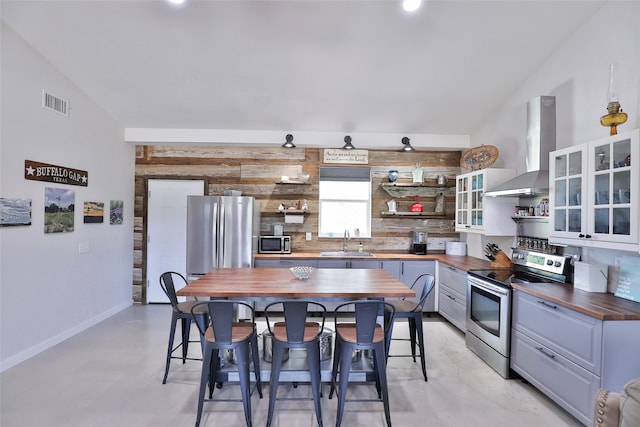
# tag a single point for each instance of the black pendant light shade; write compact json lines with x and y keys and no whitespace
{"x":348,"y":145}
{"x":406,"y":145}
{"x":289,"y":142}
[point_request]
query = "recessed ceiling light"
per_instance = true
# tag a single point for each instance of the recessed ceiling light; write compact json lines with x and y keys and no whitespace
{"x":176,"y":1}
{"x":411,"y":5}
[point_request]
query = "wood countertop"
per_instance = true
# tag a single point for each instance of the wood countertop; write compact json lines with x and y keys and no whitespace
{"x":281,"y":283}
{"x":461,"y":262}
{"x":602,"y":306}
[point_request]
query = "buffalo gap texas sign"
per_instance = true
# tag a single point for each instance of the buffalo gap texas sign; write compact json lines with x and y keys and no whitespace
{"x":37,"y":171}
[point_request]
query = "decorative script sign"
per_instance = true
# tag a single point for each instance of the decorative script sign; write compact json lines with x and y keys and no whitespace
{"x":37,"y":171}
{"x":358,"y":157}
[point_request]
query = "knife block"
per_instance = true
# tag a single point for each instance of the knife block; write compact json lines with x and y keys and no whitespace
{"x":502,"y":261}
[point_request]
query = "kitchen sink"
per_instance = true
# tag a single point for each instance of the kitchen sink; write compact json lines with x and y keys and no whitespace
{"x":347,"y":254}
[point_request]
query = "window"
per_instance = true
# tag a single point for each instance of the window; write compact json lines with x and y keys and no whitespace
{"x":344,"y":201}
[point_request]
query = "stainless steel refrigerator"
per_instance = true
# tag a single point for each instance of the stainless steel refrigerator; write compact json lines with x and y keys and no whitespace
{"x":222,"y":232}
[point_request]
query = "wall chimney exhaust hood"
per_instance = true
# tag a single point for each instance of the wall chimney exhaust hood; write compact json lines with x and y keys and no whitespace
{"x":541,"y":140}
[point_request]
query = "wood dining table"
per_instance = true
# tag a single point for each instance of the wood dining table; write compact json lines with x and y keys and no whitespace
{"x":267,"y":284}
{"x":280,"y":283}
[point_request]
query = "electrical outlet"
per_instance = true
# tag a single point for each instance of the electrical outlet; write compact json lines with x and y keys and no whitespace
{"x":618,"y":261}
{"x":83,"y":248}
{"x":308,"y":236}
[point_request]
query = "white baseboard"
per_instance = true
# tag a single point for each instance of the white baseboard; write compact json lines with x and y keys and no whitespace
{"x":39,"y":348}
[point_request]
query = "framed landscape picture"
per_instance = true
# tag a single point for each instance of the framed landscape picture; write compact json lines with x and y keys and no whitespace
{"x":59,"y":210}
{"x":93,"y":212}
{"x":15,"y":212}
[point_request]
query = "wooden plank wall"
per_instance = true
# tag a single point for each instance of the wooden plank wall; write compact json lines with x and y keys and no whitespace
{"x":255,"y":171}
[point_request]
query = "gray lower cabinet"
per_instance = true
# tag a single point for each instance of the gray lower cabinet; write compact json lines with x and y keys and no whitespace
{"x":348,"y":263}
{"x":568,"y":355}
{"x":284,"y":263}
{"x":409,"y":272}
{"x":392,"y":267}
{"x":452,"y":295}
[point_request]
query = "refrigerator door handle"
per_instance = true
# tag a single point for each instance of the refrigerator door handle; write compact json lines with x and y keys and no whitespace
{"x":214,"y":234}
{"x":220,"y":241}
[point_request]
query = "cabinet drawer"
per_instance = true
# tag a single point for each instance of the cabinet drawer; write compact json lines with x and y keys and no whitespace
{"x":566,"y":383}
{"x":573,"y":335}
{"x":452,"y":307}
{"x":453,"y":278}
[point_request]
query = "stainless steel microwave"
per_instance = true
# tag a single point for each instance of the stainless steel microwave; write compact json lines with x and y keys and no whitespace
{"x":274,"y":245}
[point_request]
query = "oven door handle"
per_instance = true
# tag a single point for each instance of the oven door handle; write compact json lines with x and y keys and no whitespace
{"x":489,"y":287}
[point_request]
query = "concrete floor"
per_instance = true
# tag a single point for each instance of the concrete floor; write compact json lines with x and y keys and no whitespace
{"x":111,"y":375}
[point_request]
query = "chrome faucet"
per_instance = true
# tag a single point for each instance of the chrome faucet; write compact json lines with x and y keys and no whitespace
{"x":347,"y":236}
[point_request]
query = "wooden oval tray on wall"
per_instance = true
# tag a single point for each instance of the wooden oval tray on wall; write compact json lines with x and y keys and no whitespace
{"x":479,"y":157}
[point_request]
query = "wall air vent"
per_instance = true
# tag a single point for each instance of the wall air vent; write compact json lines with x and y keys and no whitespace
{"x":55,"y":103}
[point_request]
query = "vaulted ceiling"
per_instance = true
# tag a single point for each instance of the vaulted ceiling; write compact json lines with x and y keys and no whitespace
{"x":350,"y":65}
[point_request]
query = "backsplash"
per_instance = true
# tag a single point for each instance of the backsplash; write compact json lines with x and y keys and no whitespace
{"x":255,"y":172}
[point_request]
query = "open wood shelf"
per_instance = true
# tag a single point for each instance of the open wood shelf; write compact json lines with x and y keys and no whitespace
{"x":415,"y":214}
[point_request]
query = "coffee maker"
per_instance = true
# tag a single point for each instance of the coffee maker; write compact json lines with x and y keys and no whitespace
{"x":419,"y":244}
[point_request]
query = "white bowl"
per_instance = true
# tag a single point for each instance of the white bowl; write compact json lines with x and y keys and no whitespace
{"x":302,"y":272}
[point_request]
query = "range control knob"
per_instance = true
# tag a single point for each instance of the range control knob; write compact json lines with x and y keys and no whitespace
{"x":557,"y":264}
{"x":549,"y":262}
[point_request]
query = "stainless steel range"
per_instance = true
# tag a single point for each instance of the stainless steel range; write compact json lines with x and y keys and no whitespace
{"x":489,"y":302}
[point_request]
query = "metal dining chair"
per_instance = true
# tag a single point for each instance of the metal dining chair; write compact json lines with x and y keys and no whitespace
{"x":222,"y":333}
{"x":179,"y":311}
{"x":295,"y":332}
{"x":412,"y":311}
{"x":357,"y":328}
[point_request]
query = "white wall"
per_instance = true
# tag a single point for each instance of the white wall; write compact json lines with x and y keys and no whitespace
{"x":48,"y":291}
{"x":578,"y":76}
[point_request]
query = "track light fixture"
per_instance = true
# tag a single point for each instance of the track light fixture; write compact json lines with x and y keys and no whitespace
{"x":348,"y":145}
{"x":406,"y":145}
{"x":289,"y":142}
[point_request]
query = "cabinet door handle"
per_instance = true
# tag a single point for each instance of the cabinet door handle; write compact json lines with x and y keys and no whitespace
{"x":450,"y":297}
{"x":451,"y":268}
{"x":581,"y":235}
{"x":588,"y":236}
{"x":549,"y":355}
{"x":555,"y":307}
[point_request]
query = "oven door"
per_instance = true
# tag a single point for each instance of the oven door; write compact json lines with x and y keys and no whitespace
{"x":488,"y":313}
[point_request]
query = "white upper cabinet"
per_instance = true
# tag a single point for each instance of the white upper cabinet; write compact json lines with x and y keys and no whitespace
{"x":484,"y":215}
{"x":593,"y":193}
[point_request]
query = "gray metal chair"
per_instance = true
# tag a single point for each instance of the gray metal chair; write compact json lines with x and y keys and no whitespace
{"x":412,"y":311}
{"x":179,"y":311}
{"x":295,"y":332}
{"x":357,"y":329}
{"x":222,"y":333}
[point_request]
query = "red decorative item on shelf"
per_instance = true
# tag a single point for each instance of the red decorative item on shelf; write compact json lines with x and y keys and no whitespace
{"x":416,"y":207}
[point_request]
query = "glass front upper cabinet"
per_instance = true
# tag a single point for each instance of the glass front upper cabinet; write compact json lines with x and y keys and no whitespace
{"x":594,"y":191}
{"x":611,"y":188}
{"x":567,"y":172}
